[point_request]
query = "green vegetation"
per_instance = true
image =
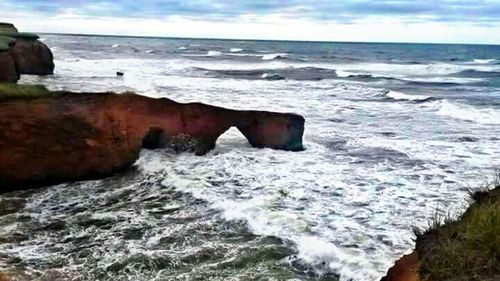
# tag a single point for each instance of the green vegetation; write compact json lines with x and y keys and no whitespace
{"x":7,"y":27}
{"x":468,"y":248}
{"x":14,"y":91}
{"x":21,"y":35}
{"x":5,"y":43}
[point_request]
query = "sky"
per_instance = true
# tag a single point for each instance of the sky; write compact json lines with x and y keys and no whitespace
{"x":426,"y":21}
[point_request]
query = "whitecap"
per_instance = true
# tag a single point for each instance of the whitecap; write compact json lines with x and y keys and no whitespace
{"x":274,"y":56}
{"x":402,"y":96}
{"x":469,"y":113}
{"x":272,"y":76}
{"x":115,"y":46}
{"x":182,"y":48}
{"x":214,"y":53}
{"x":343,"y":73}
{"x":151,"y":51}
{"x":236,"y":50}
{"x":484,"y":61}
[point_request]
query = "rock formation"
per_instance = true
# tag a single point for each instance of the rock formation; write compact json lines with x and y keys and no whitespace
{"x":22,"y":53}
{"x":405,"y":269}
{"x":57,"y":137}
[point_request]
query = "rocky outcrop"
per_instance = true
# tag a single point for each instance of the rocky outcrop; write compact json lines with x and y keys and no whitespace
{"x":22,"y":53}
{"x":405,"y":269}
{"x":71,"y":136}
{"x":32,"y":57}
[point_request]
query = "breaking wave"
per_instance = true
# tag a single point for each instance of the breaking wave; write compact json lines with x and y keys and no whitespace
{"x":469,"y":113}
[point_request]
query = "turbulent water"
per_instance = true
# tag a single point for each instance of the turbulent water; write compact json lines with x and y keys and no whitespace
{"x":393,"y":132}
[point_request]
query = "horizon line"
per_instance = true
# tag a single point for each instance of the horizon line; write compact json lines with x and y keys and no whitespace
{"x":259,"y":40}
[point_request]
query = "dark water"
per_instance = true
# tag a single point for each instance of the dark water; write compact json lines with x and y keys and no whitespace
{"x":393,"y":131}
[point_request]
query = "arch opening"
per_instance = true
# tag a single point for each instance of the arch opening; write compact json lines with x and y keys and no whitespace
{"x":155,"y":138}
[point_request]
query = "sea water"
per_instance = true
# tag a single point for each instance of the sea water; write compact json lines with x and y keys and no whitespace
{"x":394,"y":134}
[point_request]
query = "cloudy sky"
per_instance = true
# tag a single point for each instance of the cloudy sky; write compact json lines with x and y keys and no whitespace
{"x":440,"y":21}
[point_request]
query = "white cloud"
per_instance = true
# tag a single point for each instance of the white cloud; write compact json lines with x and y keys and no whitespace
{"x":271,"y":26}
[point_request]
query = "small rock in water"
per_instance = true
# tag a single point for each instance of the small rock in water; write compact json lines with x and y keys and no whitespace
{"x":119,"y":74}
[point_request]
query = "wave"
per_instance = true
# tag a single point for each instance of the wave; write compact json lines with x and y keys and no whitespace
{"x":485,"y":61}
{"x":344,"y":74}
{"x":275,"y":56}
{"x":272,"y":76}
{"x":151,"y":51}
{"x":236,"y":50}
{"x":214,"y":54}
{"x":402,"y":96}
{"x":469,"y":113}
{"x":478,"y":74}
{"x":115,"y":46}
{"x":300,"y":74}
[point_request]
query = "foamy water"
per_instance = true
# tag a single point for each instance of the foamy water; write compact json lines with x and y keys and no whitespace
{"x":386,"y":144}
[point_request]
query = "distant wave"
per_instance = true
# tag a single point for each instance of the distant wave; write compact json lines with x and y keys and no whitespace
{"x":478,"y":74}
{"x":236,"y":50}
{"x":151,"y":51}
{"x":344,"y":74}
{"x":275,"y":56}
{"x":214,"y":54}
{"x":115,"y":46}
{"x":485,"y":61}
{"x":469,"y":113}
{"x":272,"y":76}
{"x":301,"y":74}
{"x":402,"y":96}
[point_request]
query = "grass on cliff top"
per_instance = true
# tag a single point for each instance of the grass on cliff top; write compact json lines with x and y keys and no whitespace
{"x":20,"y":35}
{"x":14,"y":91}
{"x":7,"y":27}
{"x":468,"y":248}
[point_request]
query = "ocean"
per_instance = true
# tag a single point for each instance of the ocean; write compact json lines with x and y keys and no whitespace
{"x":395,"y":135}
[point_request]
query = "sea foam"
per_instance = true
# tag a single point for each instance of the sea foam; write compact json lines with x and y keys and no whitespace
{"x":469,"y":113}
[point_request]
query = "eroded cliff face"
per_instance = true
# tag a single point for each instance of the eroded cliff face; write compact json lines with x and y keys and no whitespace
{"x":405,"y":269}
{"x":71,"y":136}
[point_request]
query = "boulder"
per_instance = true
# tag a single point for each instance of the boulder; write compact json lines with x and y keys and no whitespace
{"x":57,"y":137}
{"x":32,"y":57}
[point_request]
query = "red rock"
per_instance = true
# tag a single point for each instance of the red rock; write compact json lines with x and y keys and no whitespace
{"x":69,"y":136}
{"x":8,"y":70}
{"x":32,"y":57}
{"x":405,"y":269}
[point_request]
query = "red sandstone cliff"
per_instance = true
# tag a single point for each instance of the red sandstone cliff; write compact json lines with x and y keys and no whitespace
{"x":405,"y":269}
